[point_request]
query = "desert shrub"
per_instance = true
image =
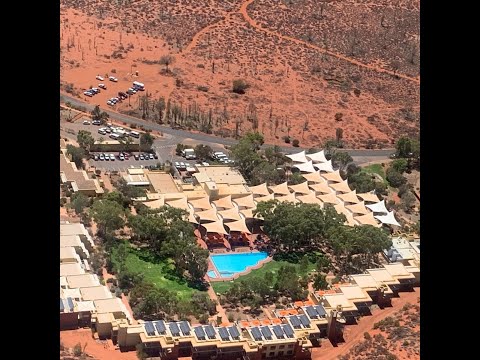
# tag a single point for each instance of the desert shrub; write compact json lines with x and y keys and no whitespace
{"x":231,"y":318}
{"x":394,"y":178}
{"x":203,"y":319}
{"x":113,"y":71}
{"x":63,"y":201}
{"x":286,"y":139}
{"x":133,"y":126}
{"x":295,"y":143}
{"x":202,"y":88}
{"x":77,"y":350}
{"x":367,"y":336}
{"x":239,"y":86}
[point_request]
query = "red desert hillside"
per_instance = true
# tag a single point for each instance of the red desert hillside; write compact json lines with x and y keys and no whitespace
{"x":311,"y":66}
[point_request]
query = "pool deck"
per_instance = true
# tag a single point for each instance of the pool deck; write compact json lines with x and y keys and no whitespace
{"x":211,"y":266}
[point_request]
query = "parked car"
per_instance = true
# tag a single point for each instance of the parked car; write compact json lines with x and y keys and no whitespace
{"x":95,"y":90}
{"x":110,"y":103}
{"x":121,"y":157}
{"x":155,"y":156}
{"x":107,"y":158}
{"x":136,"y":157}
{"x":112,"y":157}
{"x":142,"y":157}
{"x":101,"y":157}
{"x":112,"y":78}
{"x":108,"y":130}
{"x":132,"y":90}
{"x":150,"y":156}
{"x":95,"y":157}
{"x":102,"y":132}
{"x":86,"y":122}
{"x":98,"y":77}
{"x":88,"y":93}
{"x":97,"y":122}
{"x":126,"y":156}
{"x":102,"y":86}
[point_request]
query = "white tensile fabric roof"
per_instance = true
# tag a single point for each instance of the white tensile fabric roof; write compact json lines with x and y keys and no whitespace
{"x":307,"y":167}
{"x":314,"y":177}
{"x":322,"y":188}
{"x":265,"y":198}
{"x":207,"y":215}
{"x":388,"y":219}
{"x":350,"y":197}
{"x":155,"y":204}
{"x":378,"y":207}
{"x":358,"y":208}
{"x":341,"y":186}
{"x":245,"y":201}
{"x":224,"y":202}
{"x":367,"y":219}
{"x":290,"y":198}
{"x":215,"y":227}
{"x":310,"y":199}
{"x":281,"y":189}
{"x":248,"y":213}
{"x":179,"y":204}
{"x":326,"y":166}
{"x":238,"y":226}
{"x":370,"y":197}
{"x":329,"y":198}
{"x":333,"y":176}
{"x":317,"y":157}
{"x":259,"y":189}
{"x":350,"y":220}
{"x":230,"y":214}
{"x":202,"y":203}
{"x":301,"y":188}
{"x":341,"y":209}
{"x":192,"y":218}
{"x":298,"y":157}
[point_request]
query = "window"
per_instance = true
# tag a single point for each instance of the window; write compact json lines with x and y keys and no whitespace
{"x":289,"y":352}
{"x":264,"y":355}
{"x":281,"y":347}
{"x":280,"y":353}
{"x":271,"y":353}
{"x":274,"y":347}
{"x":290,"y":346}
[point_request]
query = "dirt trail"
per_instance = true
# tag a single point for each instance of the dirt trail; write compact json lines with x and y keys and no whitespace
{"x":354,"y":333}
{"x":243,"y":11}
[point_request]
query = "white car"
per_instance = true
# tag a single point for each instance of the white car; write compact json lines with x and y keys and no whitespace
{"x":98,"y":77}
{"x":102,"y":86}
{"x":88,"y":93}
{"x":112,"y":78}
{"x":86,"y":122}
{"x":112,"y":157}
{"x":121,"y":157}
{"x":109,"y":103}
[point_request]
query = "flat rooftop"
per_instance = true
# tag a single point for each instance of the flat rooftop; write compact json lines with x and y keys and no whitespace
{"x":81,"y":281}
{"x":71,"y":269}
{"x":335,"y":300}
{"x":224,"y":189}
{"x":355,"y":293}
{"x":398,"y":271}
{"x":109,"y":305}
{"x":72,"y":229}
{"x":95,"y":293}
{"x":382,"y":275}
{"x":68,"y":253}
{"x":70,"y":241}
{"x":219,"y":174}
{"x":162,"y":182}
{"x":79,"y":177}
{"x":365,"y":281}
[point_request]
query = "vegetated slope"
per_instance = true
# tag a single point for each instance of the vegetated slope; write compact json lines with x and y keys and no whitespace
{"x":309,"y":70}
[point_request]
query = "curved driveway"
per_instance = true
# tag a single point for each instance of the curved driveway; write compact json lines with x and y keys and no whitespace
{"x":365,"y":154}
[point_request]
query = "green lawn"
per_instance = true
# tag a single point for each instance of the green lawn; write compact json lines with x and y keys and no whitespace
{"x":155,"y":273}
{"x":273,"y":266}
{"x":375,"y":168}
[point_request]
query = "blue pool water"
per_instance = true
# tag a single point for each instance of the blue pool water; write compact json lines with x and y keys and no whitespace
{"x":211,"y":273}
{"x":229,"y":264}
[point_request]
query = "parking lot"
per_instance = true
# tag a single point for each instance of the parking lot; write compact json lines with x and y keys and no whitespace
{"x":121,"y":165}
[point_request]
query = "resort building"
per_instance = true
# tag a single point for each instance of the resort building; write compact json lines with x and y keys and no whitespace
{"x":78,"y":180}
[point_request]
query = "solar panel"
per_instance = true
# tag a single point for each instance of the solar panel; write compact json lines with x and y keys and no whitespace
{"x":287,"y":329}
{"x":277,"y":329}
{"x":149,"y":328}
{"x":234,"y":332}
{"x":160,"y":325}
{"x":303,"y":318}
{"x":199,"y":332}
{"x":62,"y":307}
{"x":267,"y":334}
{"x":210,"y":331}
{"x":295,"y":321}
{"x":311,"y":312}
{"x":320,"y":310}
{"x":224,"y":335}
{"x":174,"y":329}
{"x":256,"y":334}
{"x":185,"y":328}
{"x":70,"y":303}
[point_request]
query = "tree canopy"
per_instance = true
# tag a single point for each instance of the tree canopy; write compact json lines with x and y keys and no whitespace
{"x":85,"y":139}
{"x":108,"y":215}
{"x":203,"y":152}
{"x":146,"y":142}
{"x":407,"y":148}
{"x":97,"y":114}
{"x":77,"y":154}
{"x":79,"y":202}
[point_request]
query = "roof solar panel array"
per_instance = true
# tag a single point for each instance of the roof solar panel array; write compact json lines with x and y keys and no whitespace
{"x":256,"y":334}
{"x":311,"y":312}
{"x":185,"y":327}
{"x":210,"y":331}
{"x":160,"y":325}
{"x":267,"y":334}
{"x":234,"y":333}
{"x":304,"y":320}
{"x":149,"y":328}
{"x":287,"y":329}
{"x":70,"y":303}
{"x":224,"y":335}
{"x":295,"y":322}
{"x":174,"y":329}
{"x":199,"y":332}
{"x":62,"y":306}
{"x":277,"y":329}
{"x":320,"y":310}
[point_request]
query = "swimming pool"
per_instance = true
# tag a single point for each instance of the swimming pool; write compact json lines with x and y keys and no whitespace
{"x":212,"y":274}
{"x":230,"y":264}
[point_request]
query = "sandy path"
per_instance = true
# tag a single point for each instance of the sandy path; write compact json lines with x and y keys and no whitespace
{"x":243,"y":11}
{"x":354,"y":333}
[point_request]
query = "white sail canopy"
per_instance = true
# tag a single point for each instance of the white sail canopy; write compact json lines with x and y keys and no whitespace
{"x":281,"y":189}
{"x":388,"y":219}
{"x":215,"y":227}
{"x":305,"y":167}
{"x":287,"y":198}
{"x":245,"y":202}
{"x":202,"y":203}
{"x":261,"y":190}
{"x":207,"y":215}
{"x":298,"y":157}
{"x":378,"y":207}
{"x":224,"y":202}
{"x":367,"y":219}
{"x":314,"y":177}
{"x":333,"y":176}
{"x":326,"y":166}
{"x":239,"y":226}
{"x":230,"y":214}
{"x":318,"y":157}
{"x":301,"y":188}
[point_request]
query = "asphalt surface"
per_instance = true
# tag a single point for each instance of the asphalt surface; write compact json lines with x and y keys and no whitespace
{"x":359,"y":156}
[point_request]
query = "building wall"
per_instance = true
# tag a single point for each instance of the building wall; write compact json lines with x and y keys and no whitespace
{"x":113,"y":147}
{"x":104,"y":330}
{"x":68,"y":321}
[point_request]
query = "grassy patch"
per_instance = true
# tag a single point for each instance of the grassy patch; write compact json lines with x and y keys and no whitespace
{"x":272,"y":266}
{"x":376,"y":169}
{"x":157,"y":272}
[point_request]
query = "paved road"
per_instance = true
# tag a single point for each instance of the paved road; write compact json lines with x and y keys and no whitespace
{"x":177,"y":135}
